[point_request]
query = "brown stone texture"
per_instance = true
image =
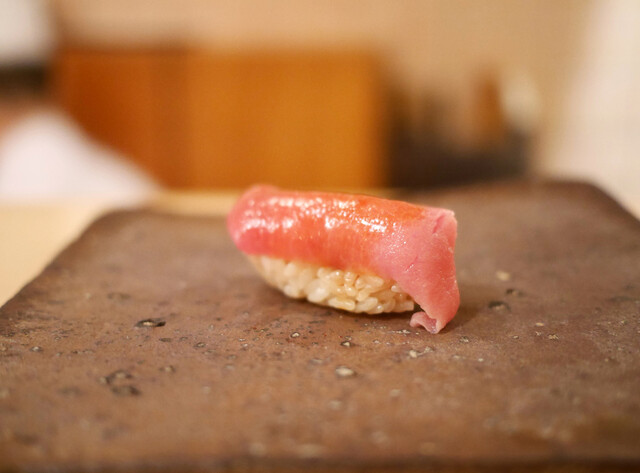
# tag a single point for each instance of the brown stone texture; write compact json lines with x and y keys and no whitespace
{"x":151,"y":345}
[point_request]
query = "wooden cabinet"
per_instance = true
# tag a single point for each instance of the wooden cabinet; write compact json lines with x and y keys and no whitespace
{"x":206,"y":119}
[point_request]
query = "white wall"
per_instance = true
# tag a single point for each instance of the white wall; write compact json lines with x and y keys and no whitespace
{"x":597,"y":135}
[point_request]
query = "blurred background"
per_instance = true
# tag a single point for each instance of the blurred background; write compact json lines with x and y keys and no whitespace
{"x":125,"y":97}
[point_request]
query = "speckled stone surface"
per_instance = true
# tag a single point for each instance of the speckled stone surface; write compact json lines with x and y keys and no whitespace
{"x":151,"y":345}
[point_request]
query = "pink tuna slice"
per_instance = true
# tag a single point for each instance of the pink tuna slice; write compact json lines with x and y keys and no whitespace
{"x":410,"y":244}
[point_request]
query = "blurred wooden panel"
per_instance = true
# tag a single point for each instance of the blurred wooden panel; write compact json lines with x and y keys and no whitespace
{"x":203,"y":119}
{"x":132,"y":101}
{"x":303,"y":120}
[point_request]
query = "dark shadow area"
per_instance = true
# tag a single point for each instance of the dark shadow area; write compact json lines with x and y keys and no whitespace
{"x":473,"y":298}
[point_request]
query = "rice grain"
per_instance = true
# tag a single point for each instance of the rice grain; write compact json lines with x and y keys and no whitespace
{"x":346,"y":290}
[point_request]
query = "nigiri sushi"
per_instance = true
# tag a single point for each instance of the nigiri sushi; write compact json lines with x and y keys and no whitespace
{"x":352,"y":252}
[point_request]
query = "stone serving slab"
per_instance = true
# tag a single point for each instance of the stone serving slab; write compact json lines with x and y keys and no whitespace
{"x":150,"y":344}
